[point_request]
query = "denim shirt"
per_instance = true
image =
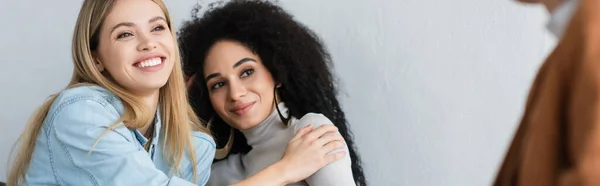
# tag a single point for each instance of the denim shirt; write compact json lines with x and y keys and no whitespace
{"x":77,"y":118}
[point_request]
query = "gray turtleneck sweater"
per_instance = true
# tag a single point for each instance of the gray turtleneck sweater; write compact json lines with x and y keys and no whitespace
{"x":269,"y":140}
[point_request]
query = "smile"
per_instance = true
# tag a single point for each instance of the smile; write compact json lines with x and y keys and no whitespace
{"x":150,"y":63}
{"x":242,"y":108}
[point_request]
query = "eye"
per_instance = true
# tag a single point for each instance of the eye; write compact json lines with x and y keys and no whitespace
{"x":217,"y":85}
{"x":247,"y":73}
{"x":158,"y":28}
{"x":123,"y":35}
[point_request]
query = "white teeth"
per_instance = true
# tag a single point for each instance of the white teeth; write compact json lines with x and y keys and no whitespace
{"x":150,"y":62}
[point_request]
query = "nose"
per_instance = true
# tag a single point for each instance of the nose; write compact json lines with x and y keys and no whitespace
{"x":237,"y":90}
{"x":146,"y":43}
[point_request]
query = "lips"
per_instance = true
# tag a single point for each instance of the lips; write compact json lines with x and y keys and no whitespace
{"x":150,"y":63}
{"x":149,"y":60}
{"x":242,"y":109}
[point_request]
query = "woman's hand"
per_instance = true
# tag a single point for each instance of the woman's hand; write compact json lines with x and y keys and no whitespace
{"x":309,"y":151}
{"x":306,"y":153}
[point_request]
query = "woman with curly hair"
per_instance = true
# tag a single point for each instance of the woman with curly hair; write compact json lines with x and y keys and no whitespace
{"x":258,"y":76}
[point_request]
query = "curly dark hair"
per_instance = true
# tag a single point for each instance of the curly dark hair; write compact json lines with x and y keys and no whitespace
{"x":292,"y":53}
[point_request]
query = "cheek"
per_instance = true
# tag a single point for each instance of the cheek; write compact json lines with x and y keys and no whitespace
{"x":116,"y":56}
{"x":266,"y":91}
{"x":218,"y":102}
{"x":168,"y":43}
{"x":266,"y":85}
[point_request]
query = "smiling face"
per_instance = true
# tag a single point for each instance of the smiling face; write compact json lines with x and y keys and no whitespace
{"x":136,"y":47}
{"x":241,"y":89}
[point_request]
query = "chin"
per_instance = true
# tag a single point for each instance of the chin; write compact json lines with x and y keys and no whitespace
{"x":155,"y":86}
{"x":157,"y":83}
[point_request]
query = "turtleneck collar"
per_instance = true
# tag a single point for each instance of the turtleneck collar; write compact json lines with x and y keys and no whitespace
{"x":266,"y":129}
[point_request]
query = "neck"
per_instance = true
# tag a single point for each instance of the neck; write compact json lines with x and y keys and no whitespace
{"x":151,"y":102}
{"x":264,"y":131}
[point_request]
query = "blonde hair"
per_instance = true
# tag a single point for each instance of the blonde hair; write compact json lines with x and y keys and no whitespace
{"x":178,"y":118}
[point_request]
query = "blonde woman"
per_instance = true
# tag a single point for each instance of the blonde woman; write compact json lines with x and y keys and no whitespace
{"x":124,"y":118}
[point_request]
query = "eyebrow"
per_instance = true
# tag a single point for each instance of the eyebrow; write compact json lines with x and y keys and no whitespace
{"x":242,"y":61}
{"x":130,"y":24}
{"x":237,"y":64}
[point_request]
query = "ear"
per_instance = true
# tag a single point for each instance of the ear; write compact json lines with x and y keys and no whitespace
{"x":278,"y":85}
{"x":98,"y":63}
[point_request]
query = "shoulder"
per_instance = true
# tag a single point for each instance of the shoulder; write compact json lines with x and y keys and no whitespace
{"x":227,"y":171}
{"x":204,"y":140}
{"x":79,"y":116}
{"x":86,"y":94}
{"x":86,"y":106}
{"x":316,"y":119}
{"x":229,"y":165}
{"x":204,"y":146}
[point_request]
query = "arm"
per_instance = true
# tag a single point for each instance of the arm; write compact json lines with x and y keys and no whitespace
{"x":306,"y":153}
{"x":270,"y":176}
{"x":115,"y":160}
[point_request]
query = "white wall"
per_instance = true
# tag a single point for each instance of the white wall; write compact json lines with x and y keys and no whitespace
{"x":433,"y":89}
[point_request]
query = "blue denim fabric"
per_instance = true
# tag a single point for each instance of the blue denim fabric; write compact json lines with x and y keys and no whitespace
{"x":77,"y":118}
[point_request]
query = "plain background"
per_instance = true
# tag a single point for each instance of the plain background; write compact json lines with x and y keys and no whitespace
{"x":433,"y":89}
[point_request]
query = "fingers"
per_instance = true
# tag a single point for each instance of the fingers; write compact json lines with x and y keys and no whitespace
{"x":333,"y":146}
{"x":330,"y":158}
{"x":315,"y":134}
{"x":302,"y":132}
{"x":328,"y":137}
